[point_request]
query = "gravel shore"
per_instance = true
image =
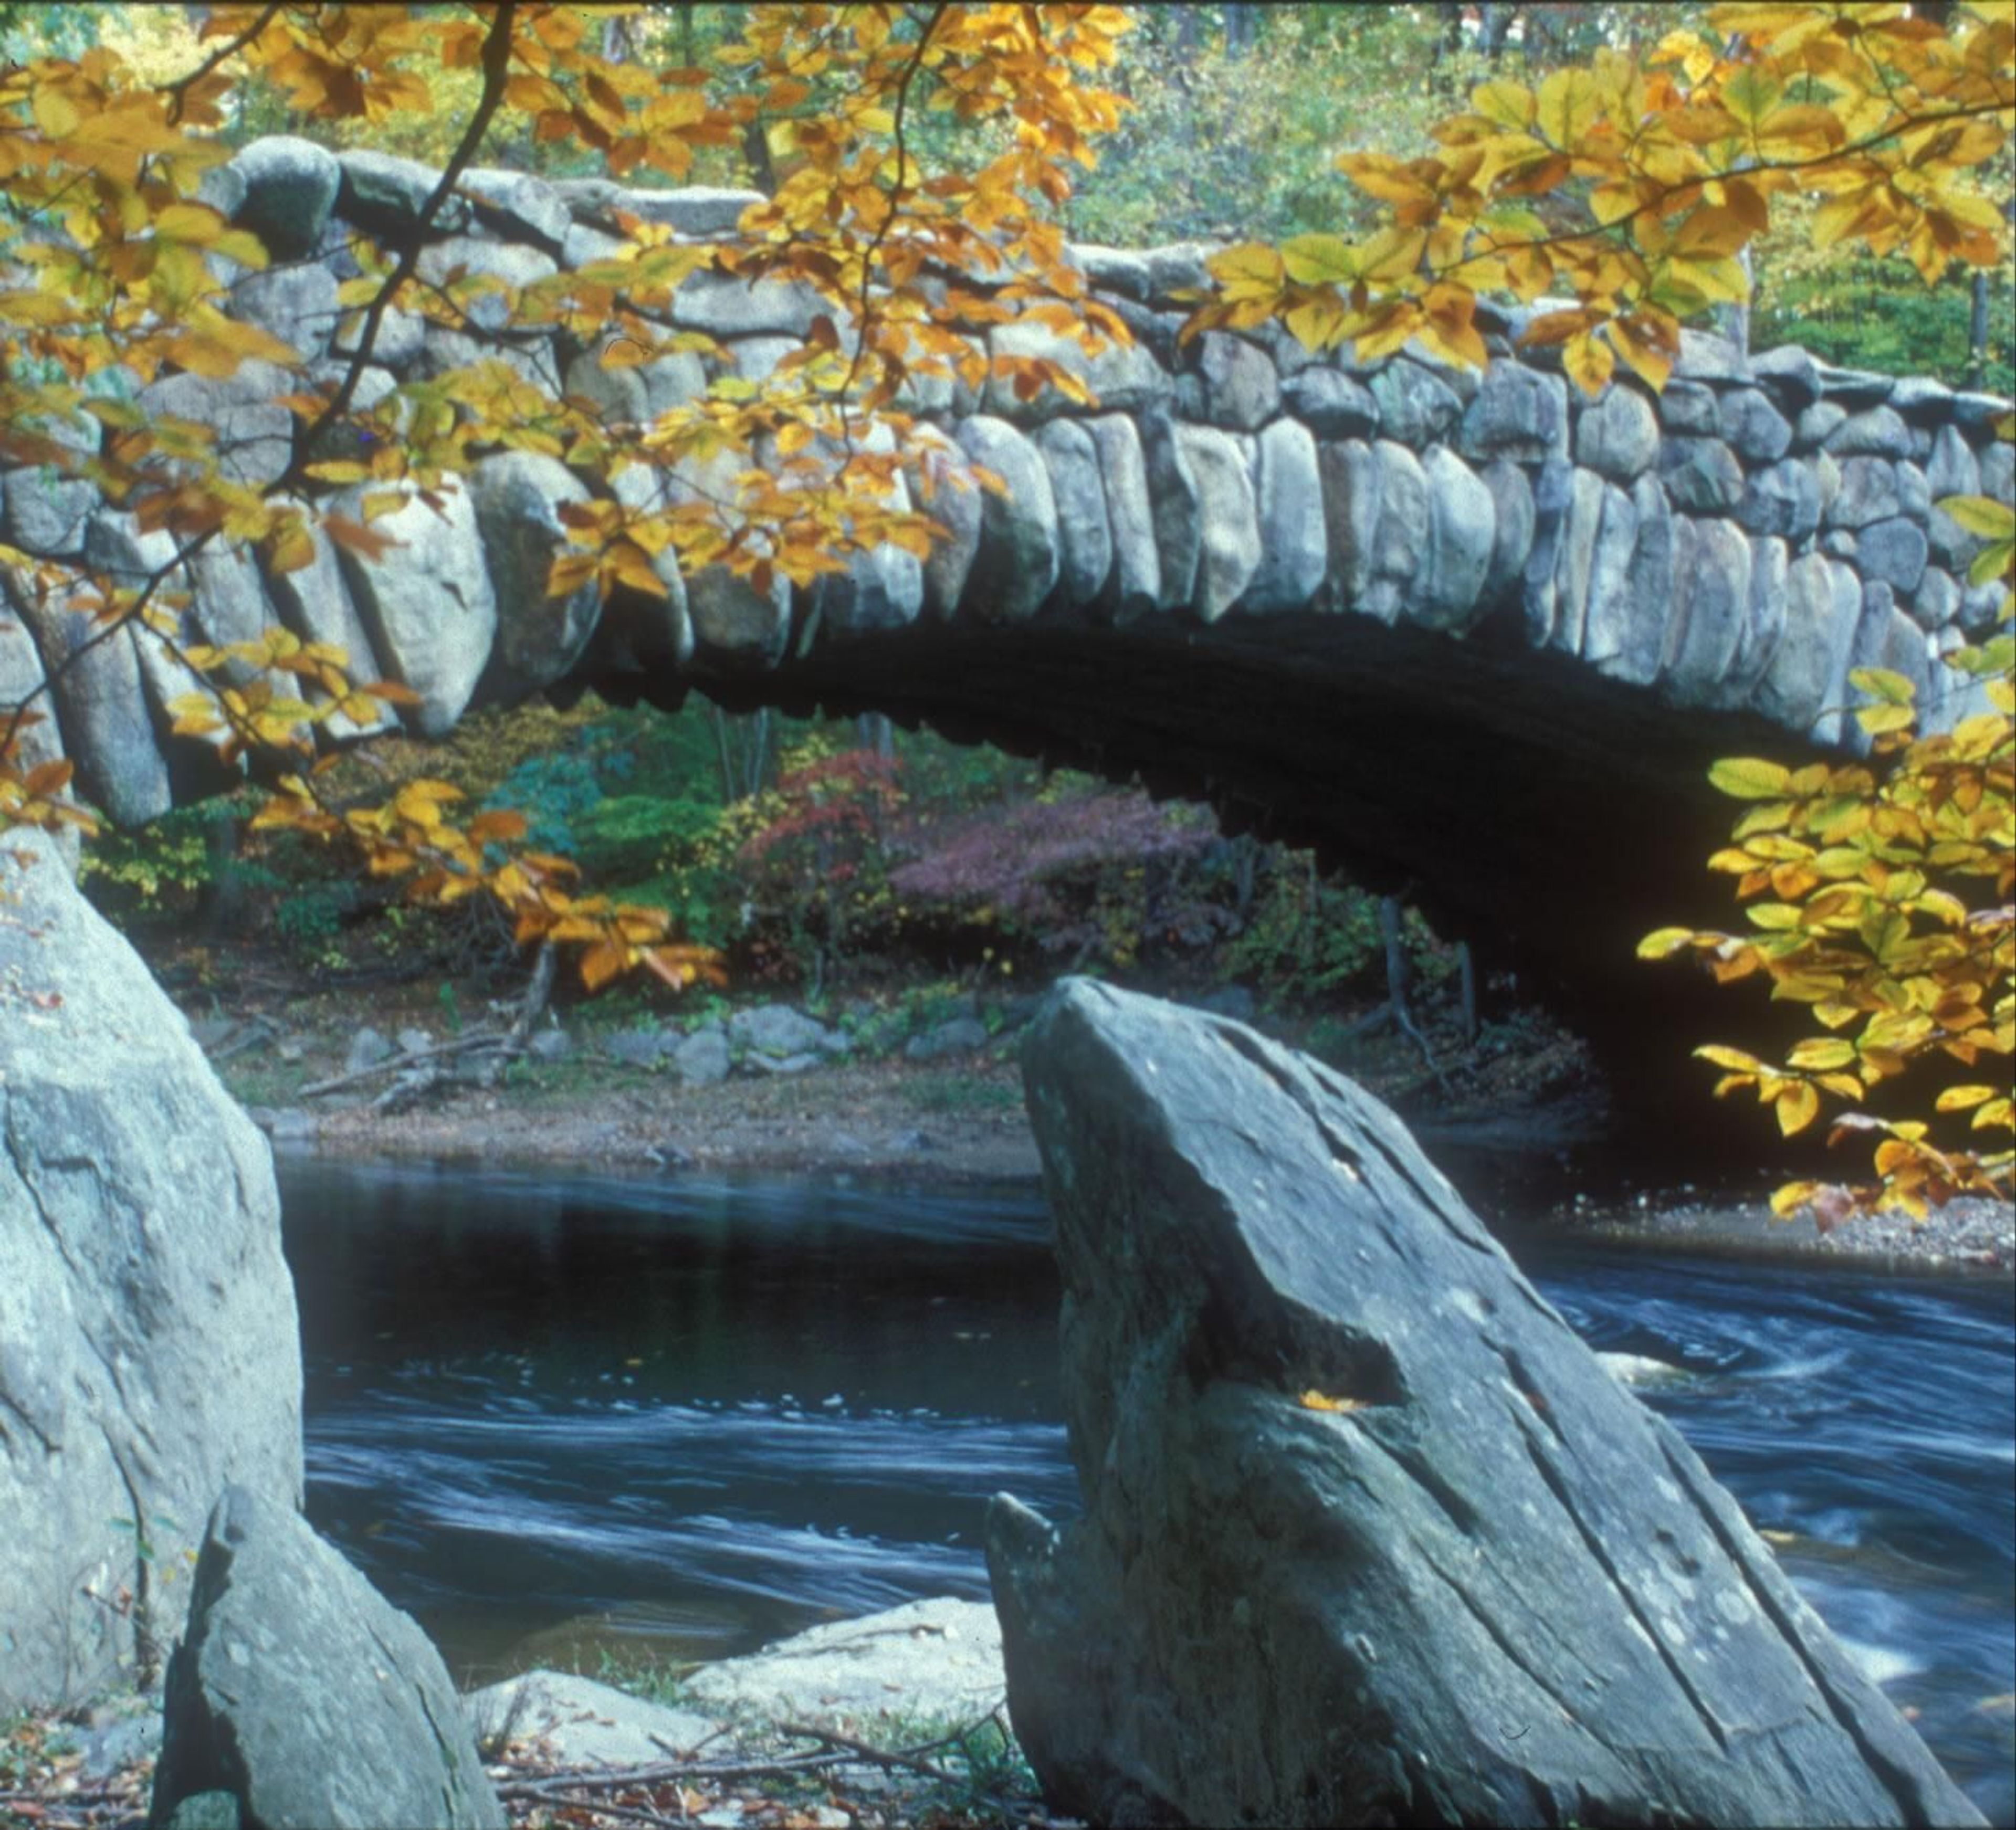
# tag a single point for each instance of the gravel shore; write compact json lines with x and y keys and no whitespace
{"x":1970,"y":1235}
{"x":914,"y":1125}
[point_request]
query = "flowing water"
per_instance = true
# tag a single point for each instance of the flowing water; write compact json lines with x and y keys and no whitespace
{"x":563,"y":1419}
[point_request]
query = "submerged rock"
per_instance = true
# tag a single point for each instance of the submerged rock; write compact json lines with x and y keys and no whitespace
{"x":1370,"y":1536}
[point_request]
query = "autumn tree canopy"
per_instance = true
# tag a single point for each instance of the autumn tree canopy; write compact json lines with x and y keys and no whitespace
{"x":917,"y":160}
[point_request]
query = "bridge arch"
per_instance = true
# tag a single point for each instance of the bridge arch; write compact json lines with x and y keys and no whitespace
{"x":1473,"y":634}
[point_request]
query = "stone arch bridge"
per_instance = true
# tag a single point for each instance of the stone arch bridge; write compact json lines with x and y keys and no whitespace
{"x":1471,"y":634}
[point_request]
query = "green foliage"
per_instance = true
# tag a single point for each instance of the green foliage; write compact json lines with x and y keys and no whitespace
{"x":30,"y":31}
{"x":884,"y":1028}
{"x":999,"y":867}
{"x":1878,"y":315}
{"x":1238,"y":112}
{"x":644,"y":1674}
{"x":310,"y":917}
{"x":1308,"y":939}
{"x":157,"y":869}
{"x":555,"y":792}
{"x":1222,"y":142}
{"x":942,"y":778}
{"x":984,"y":1763}
{"x":1311,"y":939}
{"x":626,"y":837}
{"x":634,"y":798}
{"x":1433,"y":960}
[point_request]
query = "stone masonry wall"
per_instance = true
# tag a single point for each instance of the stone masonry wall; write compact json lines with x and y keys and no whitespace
{"x":1740,"y":542}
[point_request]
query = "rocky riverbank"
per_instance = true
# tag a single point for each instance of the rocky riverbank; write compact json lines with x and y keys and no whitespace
{"x":929,"y":1092}
{"x":920,"y":1082}
{"x":1965,"y":1236}
{"x":897,"y":1718}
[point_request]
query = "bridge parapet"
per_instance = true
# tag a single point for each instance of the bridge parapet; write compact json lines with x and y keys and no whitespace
{"x":1739,"y":543}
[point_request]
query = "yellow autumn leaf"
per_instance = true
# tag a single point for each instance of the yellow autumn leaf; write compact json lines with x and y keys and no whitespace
{"x":1589,"y":361}
{"x":195,"y":223}
{"x":1320,"y":259}
{"x":1797,"y":1106}
{"x":1876,"y":720}
{"x":1893,"y":689}
{"x":1719,"y":280}
{"x":1249,"y":264}
{"x":1733,"y":1058}
{"x":1788,"y":1201}
{"x":1982,"y":514}
{"x":1568,"y":106}
{"x":1710,"y":232}
{"x":1505,"y":104}
{"x":1749,"y":778}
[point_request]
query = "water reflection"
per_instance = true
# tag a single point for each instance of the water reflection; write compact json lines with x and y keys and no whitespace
{"x":706,"y":1414}
{"x":744,"y":1407}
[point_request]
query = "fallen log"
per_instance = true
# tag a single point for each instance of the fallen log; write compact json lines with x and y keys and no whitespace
{"x":406,"y":1060}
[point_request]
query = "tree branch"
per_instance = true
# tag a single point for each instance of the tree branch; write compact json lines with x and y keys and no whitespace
{"x":495,"y":61}
{"x":178,"y":91}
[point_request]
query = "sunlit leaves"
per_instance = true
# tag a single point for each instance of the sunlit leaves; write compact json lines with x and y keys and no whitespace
{"x":1313,"y":1400}
{"x":1881,"y":897}
{"x":787,"y":477}
{"x":1749,"y":779}
{"x":1658,"y":177}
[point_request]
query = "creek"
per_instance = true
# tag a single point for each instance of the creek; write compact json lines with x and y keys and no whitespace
{"x":586,"y":1420}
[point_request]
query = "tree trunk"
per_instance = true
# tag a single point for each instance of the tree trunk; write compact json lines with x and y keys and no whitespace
{"x":718,"y":720}
{"x":1398,"y":974}
{"x":1736,"y":318}
{"x":1977,"y":334}
{"x":225,"y":896}
{"x":1451,"y":39}
{"x":1312,"y":904}
{"x":756,"y":156}
{"x":1494,"y":24}
{"x":1245,"y":863}
{"x":742,"y":746}
{"x":873,"y":732}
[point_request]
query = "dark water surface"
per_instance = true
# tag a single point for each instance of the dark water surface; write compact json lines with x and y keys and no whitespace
{"x":555,"y":1415}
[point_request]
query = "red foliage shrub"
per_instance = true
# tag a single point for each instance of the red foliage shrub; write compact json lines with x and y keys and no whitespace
{"x":1081,"y":873}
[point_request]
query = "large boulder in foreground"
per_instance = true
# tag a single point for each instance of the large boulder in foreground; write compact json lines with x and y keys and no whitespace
{"x":1370,"y":1537}
{"x":308,"y":1697}
{"x":148,"y":1352}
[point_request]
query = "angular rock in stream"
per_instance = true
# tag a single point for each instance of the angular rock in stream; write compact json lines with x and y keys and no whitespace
{"x":1370,"y":1537}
